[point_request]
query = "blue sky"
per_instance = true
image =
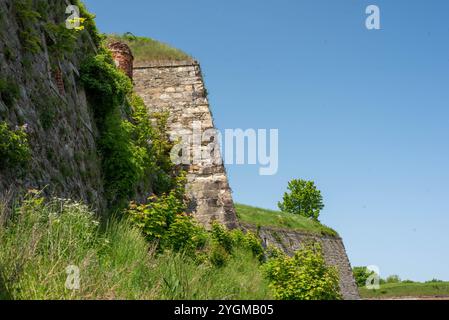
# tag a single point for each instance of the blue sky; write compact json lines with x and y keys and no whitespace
{"x":365,"y":114}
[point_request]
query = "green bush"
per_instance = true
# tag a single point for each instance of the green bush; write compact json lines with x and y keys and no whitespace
{"x":162,"y":219}
{"x":361,"y":275}
{"x":222,"y":237}
{"x":305,"y":276}
{"x":14,"y":148}
{"x":303,"y":199}
{"x":218,"y":256}
{"x":9,"y":91}
{"x":225,"y":241}
{"x":106,"y":86}
{"x":393,"y":279}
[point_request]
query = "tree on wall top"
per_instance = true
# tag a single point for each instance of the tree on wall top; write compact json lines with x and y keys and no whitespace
{"x":303,"y":198}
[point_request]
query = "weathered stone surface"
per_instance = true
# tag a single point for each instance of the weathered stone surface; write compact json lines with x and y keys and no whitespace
{"x":53,"y":107}
{"x":123,"y":57}
{"x":333,"y":249}
{"x":178,"y":87}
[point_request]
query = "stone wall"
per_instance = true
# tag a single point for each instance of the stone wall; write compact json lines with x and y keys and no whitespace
{"x":52,"y":106}
{"x":178,"y":88}
{"x":333,"y":249}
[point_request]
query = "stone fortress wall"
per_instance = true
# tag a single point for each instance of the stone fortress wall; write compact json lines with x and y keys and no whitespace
{"x":178,"y":88}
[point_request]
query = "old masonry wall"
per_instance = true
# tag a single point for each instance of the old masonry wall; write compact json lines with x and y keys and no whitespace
{"x":178,"y":87}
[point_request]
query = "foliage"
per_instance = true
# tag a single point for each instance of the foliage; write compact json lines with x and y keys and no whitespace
{"x":89,"y":23}
{"x":41,"y":239}
{"x":162,"y":219}
{"x":135,"y":153}
{"x":9,"y":91}
{"x":222,"y":237}
{"x":361,"y":275}
{"x":393,"y":279}
{"x":155,"y":140}
{"x":305,"y":276}
{"x":285,"y":220}
{"x":27,"y":17}
{"x":61,"y":40}
{"x":106,"y":86}
{"x":224,"y":242}
{"x":122,"y":161}
{"x":14,"y":148}
{"x":303,"y":199}
{"x":146,"y":49}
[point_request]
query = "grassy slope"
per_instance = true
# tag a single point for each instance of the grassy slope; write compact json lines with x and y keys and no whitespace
{"x":146,"y":49}
{"x":264,"y":217}
{"x":407,"y":290}
{"x":115,"y":262}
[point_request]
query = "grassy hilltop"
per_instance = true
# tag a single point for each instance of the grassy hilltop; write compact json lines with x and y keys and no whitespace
{"x":146,"y":49}
{"x":277,"y":219}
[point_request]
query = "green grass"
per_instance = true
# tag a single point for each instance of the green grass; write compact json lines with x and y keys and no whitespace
{"x":270,"y":218}
{"x":146,"y":49}
{"x":391,"y":290}
{"x":40,"y":240}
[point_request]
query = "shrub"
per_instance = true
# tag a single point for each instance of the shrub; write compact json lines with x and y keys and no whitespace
{"x":361,"y":275}
{"x":218,"y":256}
{"x":305,"y":276}
{"x":222,"y":237}
{"x":162,"y":219}
{"x":106,"y":86}
{"x":393,"y":279}
{"x":303,"y":199}
{"x":9,"y":91}
{"x":184,"y":234}
{"x":14,"y":148}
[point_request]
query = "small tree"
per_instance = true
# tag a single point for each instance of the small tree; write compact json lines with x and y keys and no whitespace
{"x":303,"y":198}
{"x":361,"y":275}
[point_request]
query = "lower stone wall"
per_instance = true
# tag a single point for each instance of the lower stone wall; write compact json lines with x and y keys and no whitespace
{"x":333,"y":248}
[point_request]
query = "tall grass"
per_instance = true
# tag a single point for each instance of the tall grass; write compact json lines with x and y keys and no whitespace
{"x":40,"y":240}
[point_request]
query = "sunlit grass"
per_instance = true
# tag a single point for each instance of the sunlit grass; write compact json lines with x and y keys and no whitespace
{"x":271,"y":218}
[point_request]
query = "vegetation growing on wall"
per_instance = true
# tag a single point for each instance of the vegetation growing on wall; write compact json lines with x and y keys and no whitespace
{"x":9,"y":91}
{"x":27,"y":17}
{"x":14,"y":147}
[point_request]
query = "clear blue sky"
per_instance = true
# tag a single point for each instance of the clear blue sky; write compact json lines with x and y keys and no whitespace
{"x":363,"y":113}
